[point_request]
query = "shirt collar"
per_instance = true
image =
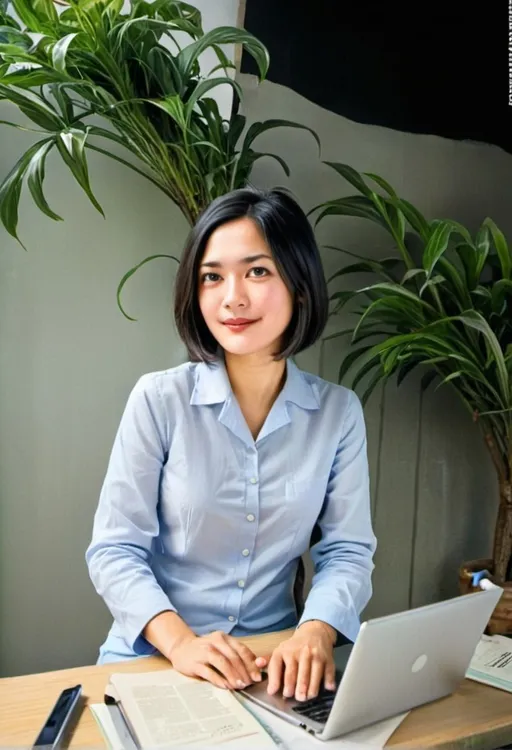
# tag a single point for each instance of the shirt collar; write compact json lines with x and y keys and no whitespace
{"x":212,"y":386}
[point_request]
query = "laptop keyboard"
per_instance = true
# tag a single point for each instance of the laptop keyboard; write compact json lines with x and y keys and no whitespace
{"x":317,"y":709}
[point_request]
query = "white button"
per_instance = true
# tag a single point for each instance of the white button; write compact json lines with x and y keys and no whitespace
{"x":241,"y":584}
{"x":231,"y":618}
{"x":250,"y":517}
{"x":246,"y":552}
{"x":253,"y":480}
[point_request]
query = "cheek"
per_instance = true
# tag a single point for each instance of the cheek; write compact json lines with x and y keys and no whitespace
{"x":277,"y":301}
{"x":206,"y":304}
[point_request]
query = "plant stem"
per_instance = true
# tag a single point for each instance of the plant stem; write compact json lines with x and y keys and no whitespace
{"x":502,"y":551}
{"x":497,"y":458}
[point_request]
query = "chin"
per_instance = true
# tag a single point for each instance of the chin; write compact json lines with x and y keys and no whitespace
{"x":236,"y":346}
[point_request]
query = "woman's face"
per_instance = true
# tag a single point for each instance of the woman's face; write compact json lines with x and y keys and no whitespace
{"x":244,"y":301}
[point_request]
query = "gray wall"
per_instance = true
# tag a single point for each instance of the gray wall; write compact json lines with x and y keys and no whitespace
{"x":433,"y":488}
{"x":68,"y":360}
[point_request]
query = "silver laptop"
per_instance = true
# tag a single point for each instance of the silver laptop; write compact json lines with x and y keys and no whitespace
{"x":397,"y":662}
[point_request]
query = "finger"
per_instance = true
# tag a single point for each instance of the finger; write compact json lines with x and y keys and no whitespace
{"x":290,"y":676}
{"x":248,"y":660}
{"x":303,"y":674}
{"x":330,"y":675}
{"x":229,"y":649}
{"x":262,"y":661}
{"x":209,"y":674}
{"x":316,"y":674}
{"x":223,"y":665}
{"x":274,"y":671}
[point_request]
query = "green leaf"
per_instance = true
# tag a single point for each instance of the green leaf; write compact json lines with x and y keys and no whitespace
{"x":433,"y":281}
{"x":453,"y":277}
{"x":345,"y":332}
{"x":482,"y":244}
{"x":225,"y":35}
{"x":414,"y":217}
{"x":341,"y":299}
{"x":473,"y":319}
{"x":366,"y":266}
{"x":13,"y":35}
{"x":257,"y":128}
{"x":352,"y":176}
{"x":130,"y":273}
{"x":460,"y":229}
{"x":397,"y":222}
{"x":449,"y":378}
{"x":501,"y":246}
{"x":436,"y":245}
{"x":469,"y":259}
{"x":412,"y":273}
{"x":364,"y":370}
{"x":174,"y":107}
{"x":33,"y":106}
{"x":10,"y":191}
{"x":255,"y":155}
{"x":71,"y":146}
{"x":356,"y":206}
{"x":59,"y":52}
{"x":206,"y":86}
{"x":382,"y":183}
{"x":498,"y":295}
{"x":352,"y":356}
{"x":377,"y":378}
{"x":396,"y":290}
{"x":35,"y":179}
{"x":407,"y":308}
{"x":38,"y":15}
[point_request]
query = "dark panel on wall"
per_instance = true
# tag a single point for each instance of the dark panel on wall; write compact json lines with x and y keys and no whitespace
{"x":440,"y":68}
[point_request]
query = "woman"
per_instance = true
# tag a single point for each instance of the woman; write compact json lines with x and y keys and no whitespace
{"x":222,"y":467}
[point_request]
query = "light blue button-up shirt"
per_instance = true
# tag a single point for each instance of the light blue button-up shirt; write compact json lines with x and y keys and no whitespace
{"x":197,"y":517}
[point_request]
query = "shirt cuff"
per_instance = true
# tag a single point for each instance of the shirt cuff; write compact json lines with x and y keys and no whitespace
{"x":346,"y":624}
{"x":134,"y":626}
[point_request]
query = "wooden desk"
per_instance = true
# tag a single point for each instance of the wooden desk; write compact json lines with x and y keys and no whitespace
{"x":477,"y":717}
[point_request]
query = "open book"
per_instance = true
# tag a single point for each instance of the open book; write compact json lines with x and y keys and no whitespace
{"x":492,"y":662}
{"x":166,"y":709}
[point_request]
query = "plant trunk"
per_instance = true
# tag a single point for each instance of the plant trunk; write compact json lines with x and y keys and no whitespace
{"x":502,"y":552}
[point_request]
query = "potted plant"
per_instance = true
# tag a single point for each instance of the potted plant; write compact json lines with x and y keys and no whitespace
{"x":118,"y":78}
{"x":441,"y":303}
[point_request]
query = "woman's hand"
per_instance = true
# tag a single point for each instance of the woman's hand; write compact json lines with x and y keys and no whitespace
{"x":301,"y":662}
{"x":218,"y":658}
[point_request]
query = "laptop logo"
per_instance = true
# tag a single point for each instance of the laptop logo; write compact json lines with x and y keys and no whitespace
{"x":419,"y":663}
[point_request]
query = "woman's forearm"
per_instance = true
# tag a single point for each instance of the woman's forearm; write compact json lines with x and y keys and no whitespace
{"x":167,"y":630}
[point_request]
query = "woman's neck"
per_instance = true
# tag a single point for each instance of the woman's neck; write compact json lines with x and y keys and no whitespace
{"x":255,"y":379}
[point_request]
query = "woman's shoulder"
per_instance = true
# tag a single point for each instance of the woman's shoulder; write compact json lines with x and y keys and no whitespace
{"x":329,"y":393}
{"x":173,"y":381}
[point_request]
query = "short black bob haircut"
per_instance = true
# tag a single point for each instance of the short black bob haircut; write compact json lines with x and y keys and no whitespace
{"x":289,"y":236}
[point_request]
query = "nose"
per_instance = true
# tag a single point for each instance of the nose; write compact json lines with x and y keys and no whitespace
{"x":235,"y":296}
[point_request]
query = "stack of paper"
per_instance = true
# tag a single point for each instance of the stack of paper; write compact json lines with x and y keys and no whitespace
{"x":492,"y":662}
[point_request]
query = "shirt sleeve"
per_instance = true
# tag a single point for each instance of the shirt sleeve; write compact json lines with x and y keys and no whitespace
{"x":126,"y":523}
{"x":343,"y":557}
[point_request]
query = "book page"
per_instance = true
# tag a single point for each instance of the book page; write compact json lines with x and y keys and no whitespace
{"x":492,"y":662}
{"x":166,"y":709}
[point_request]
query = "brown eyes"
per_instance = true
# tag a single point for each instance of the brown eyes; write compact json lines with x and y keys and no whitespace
{"x":258,"y":272}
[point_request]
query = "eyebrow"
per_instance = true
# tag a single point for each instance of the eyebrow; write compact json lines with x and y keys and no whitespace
{"x":247,"y":259}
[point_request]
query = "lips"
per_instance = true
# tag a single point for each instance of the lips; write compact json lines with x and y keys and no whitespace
{"x":238,"y":324}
